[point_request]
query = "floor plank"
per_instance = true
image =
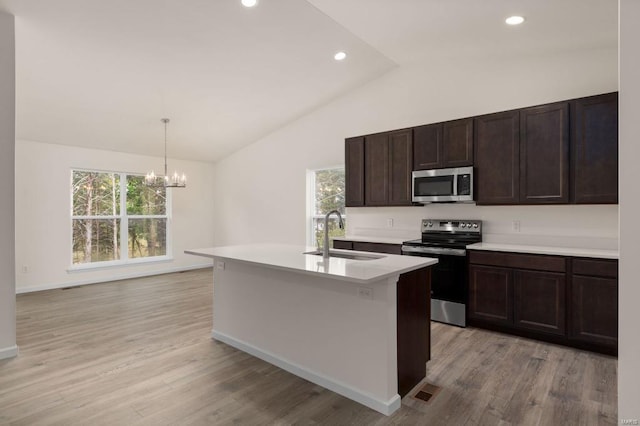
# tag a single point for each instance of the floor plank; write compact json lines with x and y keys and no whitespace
{"x":139,"y":352}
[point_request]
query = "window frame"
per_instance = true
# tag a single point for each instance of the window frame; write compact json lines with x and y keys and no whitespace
{"x":124,"y":226}
{"x":311,"y":204}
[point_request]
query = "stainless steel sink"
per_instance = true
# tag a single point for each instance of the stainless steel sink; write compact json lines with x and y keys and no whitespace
{"x":343,"y":255}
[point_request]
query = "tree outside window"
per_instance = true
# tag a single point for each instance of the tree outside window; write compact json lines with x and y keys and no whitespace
{"x":326,"y":194}
{"x":115,"y":217}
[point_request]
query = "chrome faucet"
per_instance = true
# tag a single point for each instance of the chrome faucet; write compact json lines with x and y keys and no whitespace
{"x":325,"y":248}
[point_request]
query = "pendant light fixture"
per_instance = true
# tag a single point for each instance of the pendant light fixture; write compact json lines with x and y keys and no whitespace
{"x":174,"y":181}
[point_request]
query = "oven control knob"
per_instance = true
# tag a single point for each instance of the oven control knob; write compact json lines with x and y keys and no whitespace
{"x":462,"y":225}
{"x":475,"y":225}
{"x":430,"y":224}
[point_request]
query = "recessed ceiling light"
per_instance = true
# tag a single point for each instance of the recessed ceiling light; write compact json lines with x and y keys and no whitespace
{"x":339,"y":56}
{"x":249,"y":3}
{"x":514,"y":20}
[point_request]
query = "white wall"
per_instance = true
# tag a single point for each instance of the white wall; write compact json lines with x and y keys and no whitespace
{"x":629,"y":296}
{"x":43,"y":199}
{"x":261,"y":189}
{"x":7,"y":138}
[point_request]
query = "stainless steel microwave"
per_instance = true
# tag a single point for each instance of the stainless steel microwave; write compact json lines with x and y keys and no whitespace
{"x":443,"y":185}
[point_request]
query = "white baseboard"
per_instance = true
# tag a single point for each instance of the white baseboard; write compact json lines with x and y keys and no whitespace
{"x":385,"y":407}
{"x":9,"y":352}
{"x":127,"y":276}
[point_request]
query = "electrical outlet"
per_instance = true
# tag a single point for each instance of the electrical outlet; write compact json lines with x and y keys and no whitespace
{"x":365,"y":293}
{"x":390,"y":223}
{"x":516,"y":226}
{"x":221,"y":265}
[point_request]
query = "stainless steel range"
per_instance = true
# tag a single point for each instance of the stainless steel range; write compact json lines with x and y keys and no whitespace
{"x":447,"y":240}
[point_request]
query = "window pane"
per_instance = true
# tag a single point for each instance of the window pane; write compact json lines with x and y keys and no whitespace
{"x":96,"y":194}
{"x":96,"y":240}
{"x":144,"y":200}
{"x":329,"y":191}
{"x":334,"y":229}
{"x":147,"y":237}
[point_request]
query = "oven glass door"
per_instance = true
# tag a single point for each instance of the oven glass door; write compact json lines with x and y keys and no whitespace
{"x":434,"y":186}
{"x":448,"y":277}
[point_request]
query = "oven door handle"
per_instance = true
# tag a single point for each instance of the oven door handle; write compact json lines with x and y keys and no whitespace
{"x":433,"y":250}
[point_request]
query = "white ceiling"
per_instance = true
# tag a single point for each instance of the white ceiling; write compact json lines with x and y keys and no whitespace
{"x":101,"y":73}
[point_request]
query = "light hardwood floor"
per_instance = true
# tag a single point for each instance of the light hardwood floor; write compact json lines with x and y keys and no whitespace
{"x":139,"y":352}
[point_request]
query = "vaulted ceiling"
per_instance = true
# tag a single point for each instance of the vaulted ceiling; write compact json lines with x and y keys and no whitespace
{"x":101,"y":74}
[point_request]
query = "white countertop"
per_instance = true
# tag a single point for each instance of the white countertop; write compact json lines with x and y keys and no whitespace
{"x":559,"y":251}
{"x":292,"y":258}
{"x":383,"y":240}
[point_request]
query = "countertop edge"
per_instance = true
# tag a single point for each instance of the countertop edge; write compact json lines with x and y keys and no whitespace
{"x":425,"y":263}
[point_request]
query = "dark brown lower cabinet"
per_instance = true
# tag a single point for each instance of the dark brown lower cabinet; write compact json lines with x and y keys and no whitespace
{"x":368,"y":246}
{"x":524,"y":299}
{"x":413,"y":328}
{"x":490,"y":294}
{"x":539,"y":301}
{"x":570,"y":301}
{"x":594,"y":302}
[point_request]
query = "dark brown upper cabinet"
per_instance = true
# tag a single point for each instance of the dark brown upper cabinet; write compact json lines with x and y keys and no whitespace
{"x":388,"y":162}
{"x":440,"y":145}
{"x":354,"y":171}
{"x":497,"y":158}
{"x":427,"y":147}
{"x":594,"y":149}
{"x":544,"y":154}
{"x":559,"y":153}
{"x":400,"y":165}
{"x":376,"y":168}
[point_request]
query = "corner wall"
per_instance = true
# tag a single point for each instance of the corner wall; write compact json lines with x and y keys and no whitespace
{"x":43,"y":198}
{"x":8,"y":346}
{"x":629,"y":296}
{"x":261,"y":189}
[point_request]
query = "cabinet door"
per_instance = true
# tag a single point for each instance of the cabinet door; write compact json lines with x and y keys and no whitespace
{"x":457,"y":144}
{"x":413,"y":328}
{"x":400,"y":165}
{"x":427,"y":147}
{"x":594,"y":145}
{"x":539,"y":299}
{"x":497,"y":158}
{"x":354,"y":171}
{"x":344,"y":245}
{"x":490,"y":294}
{"x":544,"y":154}
{"x":376,"y":166}
{"x":594,"y":310}
{"x":377,"y":247}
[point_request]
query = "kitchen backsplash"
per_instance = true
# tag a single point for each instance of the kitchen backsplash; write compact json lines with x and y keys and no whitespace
{"x":592,"y":226}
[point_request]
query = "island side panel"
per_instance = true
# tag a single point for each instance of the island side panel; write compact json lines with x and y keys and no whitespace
{"x":317,"y":325}
{"x":414,"y":328}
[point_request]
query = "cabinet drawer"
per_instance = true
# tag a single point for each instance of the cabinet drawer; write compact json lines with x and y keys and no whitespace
{"x":377,"y":247}
{"x":521,"y":261}
{"x":344,"y":245}
{"x":595,"y":267}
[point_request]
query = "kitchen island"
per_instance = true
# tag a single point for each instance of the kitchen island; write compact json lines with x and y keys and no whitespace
{"x":357,"y":327}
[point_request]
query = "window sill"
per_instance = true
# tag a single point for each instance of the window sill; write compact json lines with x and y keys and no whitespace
{"x":86,"y":267}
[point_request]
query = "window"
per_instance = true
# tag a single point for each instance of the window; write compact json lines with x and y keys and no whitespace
{"x":116,"y":218}
{"x":325,"y":193}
